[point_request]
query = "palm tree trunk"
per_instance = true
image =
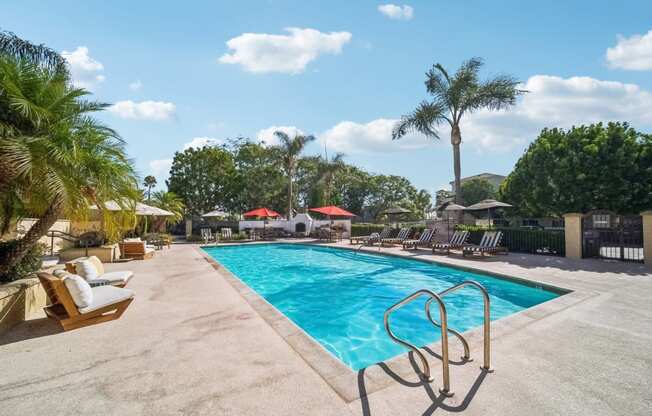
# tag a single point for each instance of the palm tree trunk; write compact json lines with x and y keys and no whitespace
{"x":11,"y":257}
{"x":456,"y":139}
{"x":290,"y":196}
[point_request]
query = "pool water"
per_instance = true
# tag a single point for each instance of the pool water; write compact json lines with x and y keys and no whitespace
{"x":339,"y":297}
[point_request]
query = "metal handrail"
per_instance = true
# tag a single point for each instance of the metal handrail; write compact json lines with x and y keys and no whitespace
{"x":64,"y":236}
{"x":487,"y":317}
{"x":467,"y":351}
{"x":444,"y":336}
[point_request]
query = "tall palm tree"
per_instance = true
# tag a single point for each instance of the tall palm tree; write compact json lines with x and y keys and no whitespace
{"x":453,"y":97}
{"x":291,"y":148}
{"x":60,"y":159}
{"x":328,"y":168}
{"x":149,"y":182}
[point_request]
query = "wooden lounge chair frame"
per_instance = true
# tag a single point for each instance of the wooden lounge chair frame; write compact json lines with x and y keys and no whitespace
{"x":136,"y":250}
{"x":403,"y":235}
{"x":62,"y":308}
{"x":489,"y":244}
{"x":457,"y":241}
{"x":424,"y":240}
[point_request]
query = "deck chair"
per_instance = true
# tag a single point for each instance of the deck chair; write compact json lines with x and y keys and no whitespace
{"x":424,"y":240}
{"x":457,"y":241}
{"x":403,"y":234}
{"x":137,"y":250}
{"x":489,"y":244}
{"x":80,"y":266}
{"x":207,"y":235}
{"x":373,"y":237}
{"x":109,"y":303}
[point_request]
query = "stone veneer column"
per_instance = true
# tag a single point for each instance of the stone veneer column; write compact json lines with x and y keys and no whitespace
{"x":188,"y":227}
{"x":573,"y":231}
{"x":647,"y":237}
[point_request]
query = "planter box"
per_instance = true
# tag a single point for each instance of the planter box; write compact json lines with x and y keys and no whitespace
{"x":19,"y":301}
{"x":106,"y":253}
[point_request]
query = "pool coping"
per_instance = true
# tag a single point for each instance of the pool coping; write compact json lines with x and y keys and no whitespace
{"x":351,"y":385}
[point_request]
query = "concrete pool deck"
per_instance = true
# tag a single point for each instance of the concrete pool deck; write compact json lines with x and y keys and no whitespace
{"x":191,"y":343}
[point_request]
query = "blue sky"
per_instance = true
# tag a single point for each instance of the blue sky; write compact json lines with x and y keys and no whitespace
{"x":344,"y":71}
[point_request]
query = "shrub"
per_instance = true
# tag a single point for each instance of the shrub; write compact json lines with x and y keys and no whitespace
{"x":365,"y":229}
{"x":27,"y":266}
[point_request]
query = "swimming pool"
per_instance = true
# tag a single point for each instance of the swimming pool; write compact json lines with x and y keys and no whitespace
{"x":339,"y":296}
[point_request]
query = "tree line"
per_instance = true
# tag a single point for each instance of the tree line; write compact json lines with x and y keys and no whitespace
{"x":241,"y":174}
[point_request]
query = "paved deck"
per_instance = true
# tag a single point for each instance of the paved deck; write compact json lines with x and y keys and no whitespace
{"x":191,"y":344}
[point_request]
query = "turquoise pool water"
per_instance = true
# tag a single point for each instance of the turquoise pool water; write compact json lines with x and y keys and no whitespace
{"x":338,"y":297}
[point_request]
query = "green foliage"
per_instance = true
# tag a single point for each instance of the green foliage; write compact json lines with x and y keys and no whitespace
{"x":475,"y":190}
{"x":359,"y":229}
{"x":248,"y":175}
{"x":581,"y":169}
{"x":149,"y":182}
{"x":169,"y":201}
{"x":202,"y":178}
{"x":470,"y":227}
{"x":29,"y":264}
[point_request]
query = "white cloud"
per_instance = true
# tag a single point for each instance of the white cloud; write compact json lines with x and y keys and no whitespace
{"x":267,"y":135}
{"x":144,"y":110}
{"x":85,"y":71}
{"x":136,"y":85}
{"x":160,"y":167}
{"x":633,"y":53}
{"x":199,"y":142}
{"x":374,"y":136}
{"x":558,"y":102}
{"x":551,"y":102}
{"x":291,"y":53}
{"x":393,"y":11}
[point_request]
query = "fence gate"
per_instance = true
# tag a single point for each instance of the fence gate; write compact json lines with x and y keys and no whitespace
{"x":607,"y":235}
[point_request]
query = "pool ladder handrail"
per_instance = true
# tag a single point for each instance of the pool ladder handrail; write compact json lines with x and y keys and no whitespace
{"x":425,"y":373}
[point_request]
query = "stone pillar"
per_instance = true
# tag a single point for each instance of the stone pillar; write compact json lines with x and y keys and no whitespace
{"x":647,"y":237}
{"x":188,"y":227}
{"x":573,"y":231}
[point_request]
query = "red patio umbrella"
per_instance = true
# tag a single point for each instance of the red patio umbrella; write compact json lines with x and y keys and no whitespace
{"x":332,"y":210}
{"x":261,"y":212}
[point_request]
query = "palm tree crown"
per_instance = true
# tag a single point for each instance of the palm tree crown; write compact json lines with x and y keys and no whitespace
{"x":291,"y":148}
{"x":149,"y":182}
{"x":453,"y":97}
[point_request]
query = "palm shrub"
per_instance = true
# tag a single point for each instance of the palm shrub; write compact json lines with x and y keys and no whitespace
{"x":453,"y":96}
{"x":58,"y":159}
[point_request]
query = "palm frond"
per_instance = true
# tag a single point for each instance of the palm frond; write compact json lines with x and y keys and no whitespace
{"x":15,"y":47}
{"x":424,"y":120}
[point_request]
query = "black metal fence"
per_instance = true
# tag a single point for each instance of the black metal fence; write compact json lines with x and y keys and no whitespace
{"x":611,"y":236}
{"x":521,"y":240}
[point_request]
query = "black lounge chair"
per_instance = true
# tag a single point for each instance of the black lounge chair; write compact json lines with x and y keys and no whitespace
{"x":403,"y":235}
{"x":424,"y":240}
{"x":457,"y":241}
{"x":489,"y":244}
{"x":372,"y":238}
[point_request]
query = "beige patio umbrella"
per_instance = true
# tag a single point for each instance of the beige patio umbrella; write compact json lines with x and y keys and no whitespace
{"x":488,"y":204}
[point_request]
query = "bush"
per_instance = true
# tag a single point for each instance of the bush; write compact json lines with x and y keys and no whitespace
{"x":27,"y":266}
{"x":360,"y":229}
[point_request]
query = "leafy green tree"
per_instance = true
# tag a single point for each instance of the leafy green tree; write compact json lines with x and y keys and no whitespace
{"x":290,"y":150}
{"x":203,"y":178}
{"x":584,"y":168}
{"x":328,"y":169}
{"x":475,"y":190}
{"x":59,"y":159}
{"x":149,"y":182}
{"x":259,"y":179}
{"x":453,"y":97}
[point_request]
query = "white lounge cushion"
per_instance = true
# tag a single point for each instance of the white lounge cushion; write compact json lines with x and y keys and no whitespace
{"x":80,"y":290}
{"x":133,"y":240}
{"x":149,"y":250}
{"x":119,"y":277}
{"x":60,"y":273}
{"x":98,"y":264}
{"x":105,"y":296}
{"x":86,"y":269}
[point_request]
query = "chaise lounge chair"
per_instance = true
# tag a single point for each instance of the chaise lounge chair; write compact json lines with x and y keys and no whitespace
{"x":74,"y":304}
{"x":403,"y":234}
{"x":457,"y":241}
{"x":92,"y":270}
{"x":424,"y":240}
{"x":373,"y":237}
{"x":134,"y":248}
{"x":489,"y":244}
